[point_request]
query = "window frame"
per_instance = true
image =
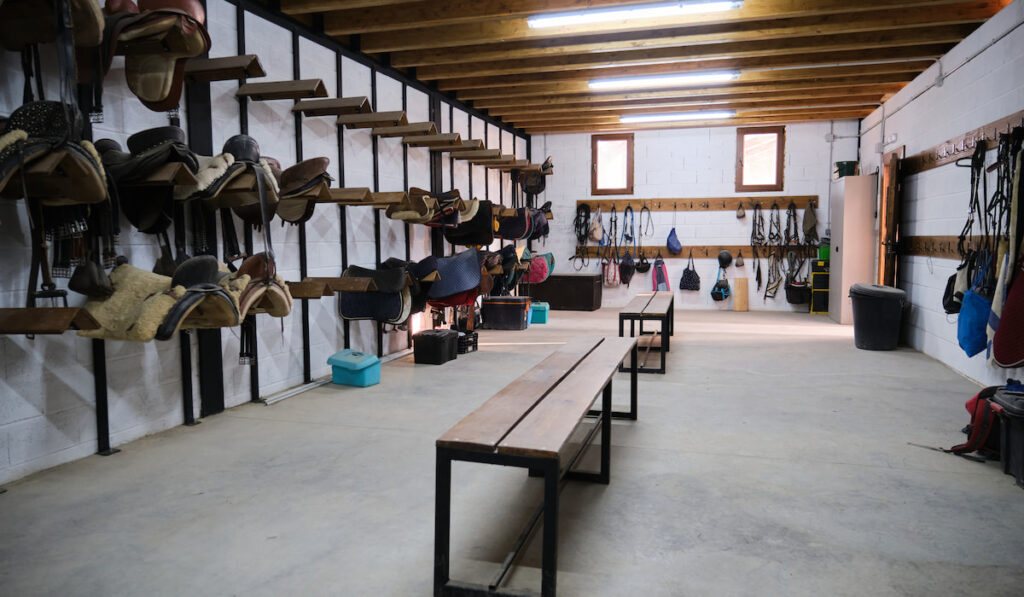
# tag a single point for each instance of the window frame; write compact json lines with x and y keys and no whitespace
{"x":780,"y":158}
{"x":594,"y":139}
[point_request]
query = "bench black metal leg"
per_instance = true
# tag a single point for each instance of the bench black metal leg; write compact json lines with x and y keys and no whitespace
{"x":442,"y":520}
{"x":549,"y":570}
{"x":632,"y":383}
{"x":606,"y":435}
{"x":621,"y":321}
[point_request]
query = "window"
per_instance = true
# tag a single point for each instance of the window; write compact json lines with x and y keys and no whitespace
{"x":760,"y":157}
{"x":612,"y":164}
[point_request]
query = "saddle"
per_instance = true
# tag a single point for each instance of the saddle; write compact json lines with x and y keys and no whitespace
{"x":515,"y":227}
{"x":460,"y":280}
{"x":476,"y":229}
{"x":37,"y":129}
{"x":241,"y":154}
{"x":177,"y":27}
{"x":390,"y":303}
{"x":416,"y":272}
{"x":145,"y":305}
{"x":297,"y":180}
{"x":27,"y":22}
{"x":149,"y":209}
{"x":265,"y":292}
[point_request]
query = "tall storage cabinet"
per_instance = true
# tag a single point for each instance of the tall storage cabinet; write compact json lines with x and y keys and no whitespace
{"x":852,"y":206}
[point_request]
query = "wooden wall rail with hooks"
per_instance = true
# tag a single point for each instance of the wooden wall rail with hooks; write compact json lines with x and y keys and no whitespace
{"x":700,"y":203}
{"x":942,"y":247}
{"x":961,"y":146}
{"x":699,"y":251}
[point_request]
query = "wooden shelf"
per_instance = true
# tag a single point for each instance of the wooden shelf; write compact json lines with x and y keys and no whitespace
{"x":351,"y":284}
{"x":349,"y":196}
{"x":516,"y":165}
{"x":205,"y":70}
{"x":506,"y":212}
{"x":373,"y":120}
{"x":702,"y":203}
{"x":415,"y":130}
{"x":433,"y":141}
{"x":501,"y":160}
{"x":467,"y":145}
{"x":170,"y":41}
{"x":709,"y":252}
{"x":319,"y":193}
{"x":174,"y":173}
{"x":238,"y":193}
{"x":51,"y":179}
{"x":385,"y":199}
{"x":309,"y":289}
{"x":333,"y":106}
{"x":478,"y":154}
{"x":45,"y":320}
{"x":282,"y":90}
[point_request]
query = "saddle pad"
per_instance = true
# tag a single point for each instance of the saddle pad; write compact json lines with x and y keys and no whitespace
{"x":515,"y":227}
{"x":459,"y":273}
{"x":475,"y":230}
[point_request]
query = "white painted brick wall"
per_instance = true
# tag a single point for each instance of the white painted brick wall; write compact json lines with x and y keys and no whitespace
{"x":689,"y":163}
{"x":47,"y":414}
{"x":985,"y":82}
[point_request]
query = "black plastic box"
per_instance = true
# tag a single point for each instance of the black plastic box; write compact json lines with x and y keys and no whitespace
{"x":468,"y":342}
{"x":1011,"y":438}
{"x":567,"y":292}
{"x":435,"y":347}
{"x":506,"y":312}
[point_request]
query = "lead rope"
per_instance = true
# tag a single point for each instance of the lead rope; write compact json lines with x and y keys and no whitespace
{"x":792,"y":235}
{"x":757,"y":239}
{"x":646,"y":229}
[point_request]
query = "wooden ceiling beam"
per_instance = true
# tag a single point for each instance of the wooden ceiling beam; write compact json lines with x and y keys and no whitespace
{"x":882,"y":20}
{"x":343,"y":18}
{"x":885,"y":72}
{"x":421,"y":37}
{"x":742,"y":104}
{"x":804,"y":59}
{"x":734,"y":50}
{"x":802,"y":96}
{"x":498,"y":107}
{"x":737,"y":121}
{"x":843,"y":112}
{"x":299,"y":7}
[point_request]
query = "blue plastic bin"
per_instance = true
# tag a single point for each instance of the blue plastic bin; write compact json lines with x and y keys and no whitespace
{"x":539,"y":312}
{"x":351,"y":368}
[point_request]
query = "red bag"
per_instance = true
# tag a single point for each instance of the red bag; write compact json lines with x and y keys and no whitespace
{"x":983,"y":430}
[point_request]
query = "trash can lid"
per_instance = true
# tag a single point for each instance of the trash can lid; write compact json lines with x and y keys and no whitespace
{"x":877,"y":291}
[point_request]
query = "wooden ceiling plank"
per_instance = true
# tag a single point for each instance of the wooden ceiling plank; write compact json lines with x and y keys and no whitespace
{"x":807,"y":59}
{"x":892,"y":71}
{"x":298,"y":7}
{"x":683,"y":54}
{"x":839,"y":23}
{"x":480,"y":32}
{"x":575,"y":128}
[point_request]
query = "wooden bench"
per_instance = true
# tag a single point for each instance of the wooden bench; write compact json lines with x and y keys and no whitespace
{"x":657,"y":306}
{"x":529,"y":424}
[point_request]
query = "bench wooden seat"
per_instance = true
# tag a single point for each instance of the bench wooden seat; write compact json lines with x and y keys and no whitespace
{"x":657,"y":306}
{"x":531,"y":423}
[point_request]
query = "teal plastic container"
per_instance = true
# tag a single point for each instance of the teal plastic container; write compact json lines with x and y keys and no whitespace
{"x":539,"y":312}
{"x":351,"y":368}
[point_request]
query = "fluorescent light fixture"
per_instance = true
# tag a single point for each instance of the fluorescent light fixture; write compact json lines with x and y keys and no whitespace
{"x":639,"y":11}
{"x":663,"y":81}
{"x":645,"y":118}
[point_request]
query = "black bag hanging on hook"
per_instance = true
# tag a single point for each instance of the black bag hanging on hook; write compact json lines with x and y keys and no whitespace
{"x":674,"y":246}
{"x":690,"y":280}
{"x":721,"y":290}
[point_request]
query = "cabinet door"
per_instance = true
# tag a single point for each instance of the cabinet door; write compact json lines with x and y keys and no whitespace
{"x":835,"y":282}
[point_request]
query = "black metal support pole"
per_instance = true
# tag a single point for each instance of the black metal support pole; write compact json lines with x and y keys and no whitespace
{"x":469,"y":167}
{"x":342,"y":210}
{"x":632,"y":382}
{"x":307,"y":375}
{"x":606,"y":434}
{"x":436,"y":237}
{"x":199,"y":120}
{"x":99,"y":373}
{"x":185,"y":340}
{"x":405,"y":187}
{"x":375,"y":144}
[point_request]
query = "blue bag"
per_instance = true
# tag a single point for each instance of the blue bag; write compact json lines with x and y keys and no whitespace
{"x":974,"y":312}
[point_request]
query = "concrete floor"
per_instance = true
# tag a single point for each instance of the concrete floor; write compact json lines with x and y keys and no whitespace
{"x":772,"y":459}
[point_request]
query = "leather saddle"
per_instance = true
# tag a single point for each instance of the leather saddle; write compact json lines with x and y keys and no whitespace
{"x":418,"y":273}
{"x":37,"y":129}
{"x":475,"y":229}
{"x":265,"y":292}
{"x":390,"y":303}
{"x":27,"y":22}
{"x":148,"y":208}
{"x":163,"y":35}
{"x":298,"y":180}
{"x":414,"y":209}
{"x":146,"y":306}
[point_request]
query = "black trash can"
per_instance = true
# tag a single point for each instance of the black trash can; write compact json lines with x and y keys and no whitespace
{"x":877,"y":315}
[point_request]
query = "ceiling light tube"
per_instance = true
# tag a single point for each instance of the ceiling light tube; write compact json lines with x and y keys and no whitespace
{"x":645,"y":118}
{"x":663,"y":81}
{"x":639,"y":11}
